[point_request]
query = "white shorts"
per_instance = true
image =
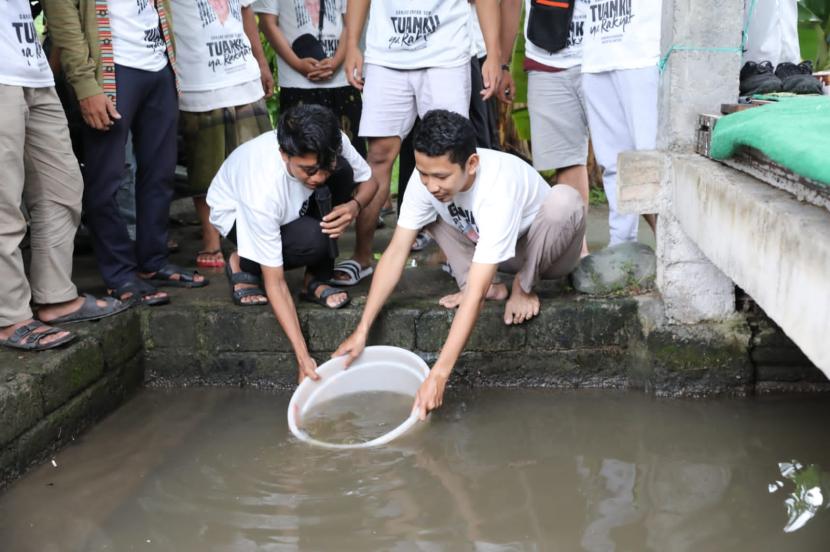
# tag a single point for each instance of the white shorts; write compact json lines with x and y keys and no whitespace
{"x":558,"y":120}
{"x":393,"y":99}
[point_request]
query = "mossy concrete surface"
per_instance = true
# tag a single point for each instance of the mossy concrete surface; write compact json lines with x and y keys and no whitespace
{"x":47,"y":399}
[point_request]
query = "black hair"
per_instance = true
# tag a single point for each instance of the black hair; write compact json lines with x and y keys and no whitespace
{"x":310,"y":128}
{"x":442,"y":132}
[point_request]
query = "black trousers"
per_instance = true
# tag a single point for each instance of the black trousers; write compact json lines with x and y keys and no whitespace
{"x":303,"y":242}
{"x":148,"y":106}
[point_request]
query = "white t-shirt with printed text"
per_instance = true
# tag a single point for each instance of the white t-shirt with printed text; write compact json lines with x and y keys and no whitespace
{"x":495,"y":212}
{"x":407,"y":34}
{"x":212,"y":49}
{"x":571,"y":54}
{"x":254,"y":190}
{"x":137,"y":41}
{"x":24,"y":62}
{"x":621,"y":34}
{"x":299,"y":17}
{"x":478,"y":48}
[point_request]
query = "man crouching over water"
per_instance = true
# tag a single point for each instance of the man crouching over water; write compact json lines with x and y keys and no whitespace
{"x":273,"y":198}
{"x":488,"y":211}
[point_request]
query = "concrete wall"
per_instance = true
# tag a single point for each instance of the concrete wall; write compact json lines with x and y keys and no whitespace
{"x":699,"y":79}
{"x":777,"y":248}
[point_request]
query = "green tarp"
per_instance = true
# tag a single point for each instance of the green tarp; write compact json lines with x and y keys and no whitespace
{"x":793,"y":132}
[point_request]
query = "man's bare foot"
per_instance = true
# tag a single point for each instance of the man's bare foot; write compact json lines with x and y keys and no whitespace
{"x":496,"y":292}
{"x":7,"y":331}
{"x":521,"y":306}
{"x":47,"y":313}
{"x":233,"y":261}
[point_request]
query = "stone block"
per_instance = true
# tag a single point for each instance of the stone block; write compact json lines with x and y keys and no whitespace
{"x":765,"y":253}
{"x":21,"y":407}
{"x":778,"y":373}
{"x":252,"y":329}
{"x":693,"y":289}
{"x":595,"y":368}
{"x":63,"y":424}
{"x":697,"y":360}
{"x":583,"y":324}
{"x":131,"y":375}
{"x":769,"y":335}
{"x":395,"y":327}
{"x":65,"y":374}
{"x":432,"y":328}
{"x":264,"y":370}
{"x":619,"y":268}
{"x":780,"y":356}
{"x":326,"y":329}
{"x":639,"y":179}
{"x":119,"y":336}
{"x":173,"y":328}
{"x":490,"y":332}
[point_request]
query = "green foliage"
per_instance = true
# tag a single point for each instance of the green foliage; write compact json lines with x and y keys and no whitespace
{"x":596,"y":196}
{"x":273,"y":102}
{"x":521,"y":117}
{"x":814,"y":26}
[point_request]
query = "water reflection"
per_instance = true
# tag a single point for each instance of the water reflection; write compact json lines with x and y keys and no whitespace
{"x":807,"y":497}
{"x":494,"y":470}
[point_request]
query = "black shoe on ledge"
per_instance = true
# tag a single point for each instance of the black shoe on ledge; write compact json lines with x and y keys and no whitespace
{"x":798,"y":79}
{"x":759,"y":78}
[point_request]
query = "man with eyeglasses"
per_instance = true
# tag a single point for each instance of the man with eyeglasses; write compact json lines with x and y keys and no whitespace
{"x":282,"y":198}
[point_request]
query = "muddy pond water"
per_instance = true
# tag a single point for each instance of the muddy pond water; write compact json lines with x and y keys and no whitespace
{"x":217,"y":469}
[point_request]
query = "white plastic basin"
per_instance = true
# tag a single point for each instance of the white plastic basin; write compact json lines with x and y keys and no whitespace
{"x":379,"y":368}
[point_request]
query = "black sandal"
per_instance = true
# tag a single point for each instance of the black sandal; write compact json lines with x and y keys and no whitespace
{"x":310,"y":295}
{"x":90,"y":310}
{"x":164,"y":277}
{"x":243,"y":277}
{"x":26,"y":338}
{"x":140,"y":293}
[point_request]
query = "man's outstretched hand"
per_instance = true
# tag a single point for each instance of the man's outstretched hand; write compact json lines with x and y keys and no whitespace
{"x":352,"y":347}
{"x":430,"y":395}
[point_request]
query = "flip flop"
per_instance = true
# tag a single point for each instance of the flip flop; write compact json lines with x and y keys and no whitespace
{"x":164,"y":277}
{"x":212,"y":263}
{"x":91,"y":311}
{"x":353,"y":270}
{"x":26,"y":338}
{"x":311,"y":297}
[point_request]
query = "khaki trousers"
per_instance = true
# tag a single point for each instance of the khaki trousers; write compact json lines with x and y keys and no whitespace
{"x":549,"y":249}
{"x":38,"y":171}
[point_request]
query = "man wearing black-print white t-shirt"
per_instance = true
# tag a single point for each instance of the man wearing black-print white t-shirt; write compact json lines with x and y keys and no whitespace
{"x":489,"y":212}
